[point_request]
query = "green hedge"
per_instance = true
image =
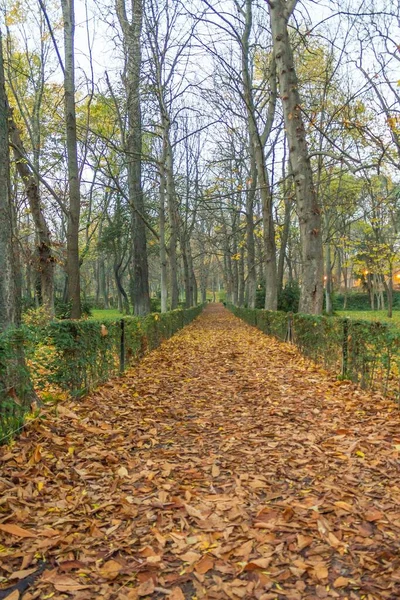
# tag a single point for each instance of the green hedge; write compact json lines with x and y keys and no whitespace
{"x":78,"y":355}
{"x":366,"y":352}
{"x":16,"y":391}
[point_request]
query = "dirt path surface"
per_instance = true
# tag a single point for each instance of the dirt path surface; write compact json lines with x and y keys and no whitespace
{"x":223,"y":466}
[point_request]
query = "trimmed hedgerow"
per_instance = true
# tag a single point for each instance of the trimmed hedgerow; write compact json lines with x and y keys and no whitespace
{"x":78,"y":354}
{"x":366,"y":352}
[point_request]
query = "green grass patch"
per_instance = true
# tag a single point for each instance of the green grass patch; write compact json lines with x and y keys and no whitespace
{"x":370,"y":315}
{"x":109,"y":313}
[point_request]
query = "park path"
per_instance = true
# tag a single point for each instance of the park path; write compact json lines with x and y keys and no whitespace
{"x":223,"y":466}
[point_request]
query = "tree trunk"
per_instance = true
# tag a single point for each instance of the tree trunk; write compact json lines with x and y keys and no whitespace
{"x":186,"y":274}
{"x":241,"y":291}
{"x":311,"y":296}
{"x":271,"y":288}
{"x":46,"y":259}
{"x":328,"y":281}
{"x":163,"y":249}
{"x":9,"y":292}
{"x":74,"y":292}
{"x":122,"y":295}
{"x":258,"y":167}
{"x":173,"y":221}
{"x":251,"y":283}
{"x":133,"y":147}
{"x":389,"y":291}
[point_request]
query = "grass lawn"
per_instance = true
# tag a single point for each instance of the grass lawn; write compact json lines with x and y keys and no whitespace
{"x":370,"y":315}
{"x":111,"y":313}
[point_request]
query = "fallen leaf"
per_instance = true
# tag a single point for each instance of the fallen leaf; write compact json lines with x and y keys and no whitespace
{"x":258,"y":563}
{"x":215,"y":471}
{"x":176,"y":594}
{"x":303,"y":541}
{"x":190,"y":557}
{"x":204,"y":565}
{"x":320,"y":571}
{"x":146,"y":588}
{"x":64,"y":583}
{"x":110,"y":570}
{"x":373,"y":515}
{"x":123,"y":472}
{"x":17,"y":531}
{"x":340,"y":582}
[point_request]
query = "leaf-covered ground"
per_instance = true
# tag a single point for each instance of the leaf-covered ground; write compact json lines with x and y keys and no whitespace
{"x":223,"y":466}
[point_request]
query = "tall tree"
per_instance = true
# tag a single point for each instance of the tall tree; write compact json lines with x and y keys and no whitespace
{"x":9,"y":292}
{"x":308,"y":210}
{"x":131,"y":30}
{"x":73,"y":266}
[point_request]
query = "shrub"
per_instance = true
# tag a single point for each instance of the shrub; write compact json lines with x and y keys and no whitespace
{"x":37,"y":317}
{"x":63,"y":309}
{"x":289,"y":297}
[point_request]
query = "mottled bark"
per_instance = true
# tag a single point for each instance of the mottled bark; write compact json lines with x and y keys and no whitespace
{"x":73,"y":264}
{"x":163,"y":249}
{"x":133,"y":147}
{"x":309,"y":214}
{"x":284,"y":243}
{"x":9,"y":292}
{"x":257,"y":142}
{"x":173,"y":217}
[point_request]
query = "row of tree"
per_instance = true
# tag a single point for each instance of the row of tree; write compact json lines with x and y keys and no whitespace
{"x":162,"y":149}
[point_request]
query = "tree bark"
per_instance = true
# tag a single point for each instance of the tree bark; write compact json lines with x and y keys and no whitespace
{"x":309,"y":214}
{"x":163,"y":249}
{"x":258,"y":166}
{"x":73,"y":264}
{"x":132,"y":42}
{"x":172,"y":214}
{"x":9,"y":288}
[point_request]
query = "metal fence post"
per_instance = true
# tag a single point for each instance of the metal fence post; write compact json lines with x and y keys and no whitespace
{"x":122,"y":348}
{"x":289,"y":335}
{"x":345,"y":347}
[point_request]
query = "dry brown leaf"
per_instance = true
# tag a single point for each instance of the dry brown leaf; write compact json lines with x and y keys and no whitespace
{"x":146,"y":588}
{"x":258,"y":563}
{"x":123,"y":472}
{"x":23,"y":573}
{"x":340,"y":582}
{"x":204,"y":565}
{"x":110,"y":570}
{"x":64,"y":411}
{"x":64,"y":583}
{"x":244,"y":549}
{"x":303,"y":541}
{"x":373,"y":514}
{"x":215,"y":471}
{"x":193,"y":512}
{"x":176,"y":594}
{"x":17,"y":531}
{"x":190,"y":557}
{"x":320,"y":571}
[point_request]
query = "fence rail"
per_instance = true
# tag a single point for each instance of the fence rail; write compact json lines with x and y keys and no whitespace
{"x":365,"y":352}
{"x":74,"y":356}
